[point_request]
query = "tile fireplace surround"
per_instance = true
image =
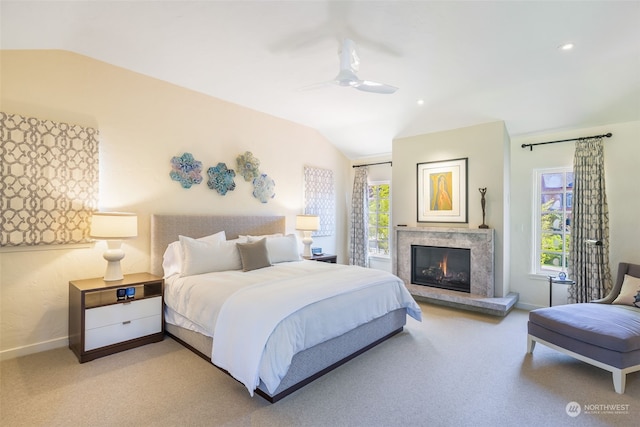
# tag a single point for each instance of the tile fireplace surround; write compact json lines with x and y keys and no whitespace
{"x":481,"y":244}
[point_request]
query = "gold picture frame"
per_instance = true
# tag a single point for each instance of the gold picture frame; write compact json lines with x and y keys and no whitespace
{"x":442,"y":191}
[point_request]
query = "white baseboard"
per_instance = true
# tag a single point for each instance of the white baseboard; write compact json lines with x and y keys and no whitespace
{"x":12,"y":353}
{"x":528,"y":307}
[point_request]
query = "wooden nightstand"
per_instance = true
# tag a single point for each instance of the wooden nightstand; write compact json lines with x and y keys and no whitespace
{"x":100,"y":324}
{"x":325,"y":258}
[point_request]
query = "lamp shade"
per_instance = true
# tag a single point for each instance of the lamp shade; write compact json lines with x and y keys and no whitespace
{"x":113,"y":225}
{"x":307,"y":222}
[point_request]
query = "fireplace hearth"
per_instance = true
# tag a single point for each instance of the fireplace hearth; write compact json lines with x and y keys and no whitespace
{"x":441,"y":267}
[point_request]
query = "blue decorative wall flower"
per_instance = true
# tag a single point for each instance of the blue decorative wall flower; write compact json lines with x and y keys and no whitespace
{"x":186,"y":170}
{"x":221,"y":179}
{"x":248,"y":166}
{"x":263,"y":188}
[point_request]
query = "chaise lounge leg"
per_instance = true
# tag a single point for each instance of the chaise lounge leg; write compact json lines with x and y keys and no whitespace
{"x":619,"y":381}
{"x":530,"y":344}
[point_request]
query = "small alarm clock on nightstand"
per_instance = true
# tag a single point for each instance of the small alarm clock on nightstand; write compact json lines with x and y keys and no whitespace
{"x":316,"y":251}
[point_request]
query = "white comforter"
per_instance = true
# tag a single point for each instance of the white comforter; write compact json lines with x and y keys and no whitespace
{"x":257,"y":318}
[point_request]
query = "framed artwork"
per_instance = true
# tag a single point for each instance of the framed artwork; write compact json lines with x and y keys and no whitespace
{"x":442,"y":191}
{"x":49,"y":182}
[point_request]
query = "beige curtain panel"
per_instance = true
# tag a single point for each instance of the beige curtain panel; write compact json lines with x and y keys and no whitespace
{"x":589,"y":262}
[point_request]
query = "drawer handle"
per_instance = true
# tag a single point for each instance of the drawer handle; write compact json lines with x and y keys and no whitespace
{"x":127,"y":322}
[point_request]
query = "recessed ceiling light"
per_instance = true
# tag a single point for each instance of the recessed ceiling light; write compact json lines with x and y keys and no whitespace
{"x":420,"y":101}
{"x":566,"y":46}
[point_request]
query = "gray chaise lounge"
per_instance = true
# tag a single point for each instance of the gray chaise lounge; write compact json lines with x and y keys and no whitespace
{"x":603,"y":334}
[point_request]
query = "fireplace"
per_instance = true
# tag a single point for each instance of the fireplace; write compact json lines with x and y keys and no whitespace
{"x":441,"y":267}
{"x":478,"y":245}
{"x":478,"y":241}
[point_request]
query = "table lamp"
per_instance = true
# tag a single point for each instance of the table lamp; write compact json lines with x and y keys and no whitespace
{"x":113,"y":227}
{"x":307,"y":224}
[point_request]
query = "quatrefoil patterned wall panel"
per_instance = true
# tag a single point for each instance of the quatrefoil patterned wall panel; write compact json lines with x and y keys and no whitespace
{"x":48,"y":181}
{"x":320,"y":198}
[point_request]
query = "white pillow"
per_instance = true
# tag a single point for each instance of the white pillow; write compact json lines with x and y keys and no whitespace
{"x":250,"y":238}
{"x":172,"y":258}
{"x":281,"y":248}
{"x":205,"y":257}
{"x":630,"y":288}
{"x":227,"y":256}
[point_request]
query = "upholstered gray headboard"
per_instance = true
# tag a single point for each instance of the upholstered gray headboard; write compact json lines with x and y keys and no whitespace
{"x":166,"y":229}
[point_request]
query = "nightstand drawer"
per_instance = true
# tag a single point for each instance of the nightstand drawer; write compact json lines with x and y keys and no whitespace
{"x":122,"y":312}
{"x":120,"y":332}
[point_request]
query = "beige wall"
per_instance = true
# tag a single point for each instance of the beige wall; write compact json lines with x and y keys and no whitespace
{"x":486,"y":146}
{"x":143,"y":122}
{"x":622,"y":175}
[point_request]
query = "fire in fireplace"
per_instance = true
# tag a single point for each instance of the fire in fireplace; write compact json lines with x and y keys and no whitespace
{"x":441,"y":267}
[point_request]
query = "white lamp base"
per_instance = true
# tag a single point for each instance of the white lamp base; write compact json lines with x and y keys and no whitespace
{"x":113,"y":255}
{"x":307,"y":241}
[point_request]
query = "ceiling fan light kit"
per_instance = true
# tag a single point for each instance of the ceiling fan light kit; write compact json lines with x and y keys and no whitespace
{"x":346,"y":78}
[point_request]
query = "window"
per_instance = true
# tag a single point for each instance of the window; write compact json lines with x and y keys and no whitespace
{"x":553,"y":202}
{"x":379,"y":205}
{"x":319,"y":198}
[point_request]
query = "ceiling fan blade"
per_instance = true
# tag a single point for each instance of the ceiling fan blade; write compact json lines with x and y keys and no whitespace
{"x":367,"y":86}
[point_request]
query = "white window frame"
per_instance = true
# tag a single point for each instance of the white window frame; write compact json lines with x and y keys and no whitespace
{"x":378,"y":255}
{"x":537,"y":267}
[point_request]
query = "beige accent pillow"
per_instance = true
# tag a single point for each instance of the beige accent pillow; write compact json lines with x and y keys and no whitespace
{"x":630,"y":288}
{"x":254,"y":255}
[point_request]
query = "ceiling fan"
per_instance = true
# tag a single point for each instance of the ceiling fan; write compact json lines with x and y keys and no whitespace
{"x":349,"y":63}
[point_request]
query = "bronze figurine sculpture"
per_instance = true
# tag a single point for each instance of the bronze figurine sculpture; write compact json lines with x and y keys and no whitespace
{"x":483,"y":202}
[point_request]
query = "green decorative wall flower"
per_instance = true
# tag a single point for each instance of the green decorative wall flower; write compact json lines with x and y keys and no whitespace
{"x":248,"y":166}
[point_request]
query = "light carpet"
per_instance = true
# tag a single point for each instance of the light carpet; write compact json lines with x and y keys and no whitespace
{"x":456,"y":368}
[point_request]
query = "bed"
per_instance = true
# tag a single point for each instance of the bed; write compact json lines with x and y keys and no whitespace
{"x":326,"y":343}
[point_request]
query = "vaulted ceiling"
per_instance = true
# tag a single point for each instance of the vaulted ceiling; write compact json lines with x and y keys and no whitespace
{"x":468,"y":62}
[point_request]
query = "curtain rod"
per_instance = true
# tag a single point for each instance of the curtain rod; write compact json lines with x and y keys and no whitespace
{"x":606,"y":135}
{"x":371,"y":164}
